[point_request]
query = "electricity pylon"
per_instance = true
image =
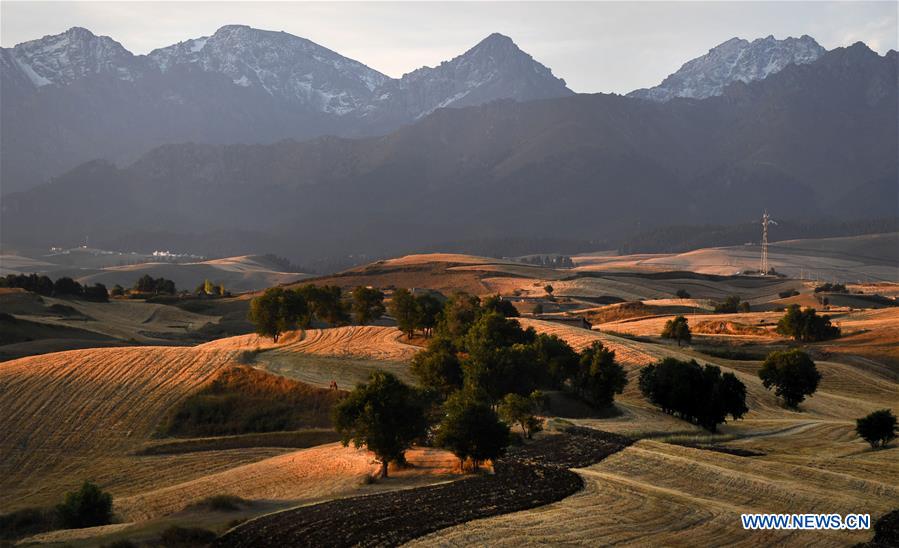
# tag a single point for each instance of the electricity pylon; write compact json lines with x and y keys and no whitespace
{"x":766,"y":220}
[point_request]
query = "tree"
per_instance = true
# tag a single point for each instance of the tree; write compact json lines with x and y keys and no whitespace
{"x":324,"y":302}
{"x":793,"y":375}
{"x":96,"y":292}
{"x":277,"y":310}
{"x":437,"y":368}
{"x":682,"y":294}
{"x":496,"y":303}
{"x":459,"y":313}
{"x":368,"y":304}
{"x":549,"y":289}
{"x":521,"y":410}
{"x":472,"y":430}
{"x":384,"y":415}
{"x":806,"y":325}
{"x":558,"y":362}
{"x":878,"y":428}
{"x":677,"y":329}
{"x":404,"y":309}
{"x":698,"y":394}
{"x":428,"y":309}
{"x":117,"y":291}
{"x":600,"y":376}
{"x":87,"y":507}
{"x":499,"y":357}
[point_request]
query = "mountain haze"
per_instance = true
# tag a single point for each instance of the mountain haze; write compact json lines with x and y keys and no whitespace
{"x":814,"y":140}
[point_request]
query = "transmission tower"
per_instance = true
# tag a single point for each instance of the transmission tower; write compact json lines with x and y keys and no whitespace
{"x":766,"y":220}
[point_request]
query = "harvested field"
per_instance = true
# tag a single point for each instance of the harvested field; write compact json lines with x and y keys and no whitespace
{"x":749,"y":325}
{"x":534,"y":476}
{"x":299,"y":439}
{"x":659,"y":494}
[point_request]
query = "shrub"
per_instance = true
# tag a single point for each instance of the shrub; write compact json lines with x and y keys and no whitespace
{"x":793,"y":375}
{"x":384,"y":415}
{"x":177,"y":536}
{"x":677,"y":329}
{"x":695,"y":393}
{"x":831,"y":288}
{"x":87,"y":507}
{"x":788,"y":293}
{"x":472,"y":430}
{"x":682,"y":294}
{"x":877,"y":428}
{"x":806,"y":325}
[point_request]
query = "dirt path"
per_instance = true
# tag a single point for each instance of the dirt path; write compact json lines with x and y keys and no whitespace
{"x":532,"y":476}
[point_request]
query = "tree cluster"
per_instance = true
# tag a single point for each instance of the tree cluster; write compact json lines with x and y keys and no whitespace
{"x":62,"y":287}
{"x":792,"y":374}
{"x":415,"y":313}
{"x":677,"y":329}
{"x":209,"y":289}
{"x":699,"y":394}
{"x":828,"y":287}
{"x":731,"y":305}
{"x":156,"y":286}
{"x":87,"y":507}
{"x":806,"y":325}
{"x":368,"y":304}
{"x":788,"y":293}
{"x":682,"y":294}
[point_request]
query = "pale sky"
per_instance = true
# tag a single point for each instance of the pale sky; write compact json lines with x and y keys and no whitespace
{"x":594,"y":46}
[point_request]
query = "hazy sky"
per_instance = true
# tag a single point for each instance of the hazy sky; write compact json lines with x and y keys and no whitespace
{"x":596,"y":46}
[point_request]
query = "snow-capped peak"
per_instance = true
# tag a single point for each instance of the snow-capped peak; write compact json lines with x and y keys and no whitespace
{"x":285,"y":66}
{"x":62,"y":58}
{"x":732,"y":61}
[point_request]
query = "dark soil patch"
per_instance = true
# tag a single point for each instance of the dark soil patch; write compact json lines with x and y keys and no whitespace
{"x":886,"y":532}
{"x":530,"y":476}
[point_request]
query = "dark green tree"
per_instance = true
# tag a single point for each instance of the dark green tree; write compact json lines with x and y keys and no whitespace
{"x":66,"y":287}
{"x":368,"y":304}
{"x":549,"y":290}
{"x":558,"y":362}
{"x":600,"y":377}
{"x":878,"y":428}
{"x":384,"y":415}
{"x":459,"y":313}
{"x":496,"y":303}
{"x":404,"y":309}
{"x":276,"y":311}
{"x":499,"y":357}
{"x":437,"y":368}
{"x":325,"y":303}
{"x":472,"y":430}
{"x":682,"y":294}
{"x":792,"y":373}
{"x":677,"y":329}
{"x":428,"y":308}
{"x":87,"y":507}
{"x":730,"y":305}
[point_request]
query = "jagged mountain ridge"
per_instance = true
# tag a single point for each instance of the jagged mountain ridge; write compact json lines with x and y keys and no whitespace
{"x":75,"y":96}
{"x":812,"y":141}
{"x":736,"y":60}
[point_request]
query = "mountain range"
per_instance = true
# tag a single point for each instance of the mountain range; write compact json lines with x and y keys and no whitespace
{"x":75,"y":96}
{"x":813,"y":140}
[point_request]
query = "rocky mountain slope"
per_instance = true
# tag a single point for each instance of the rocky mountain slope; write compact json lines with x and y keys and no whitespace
{"x":735,"y":60}
{"x":75,"y":96}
